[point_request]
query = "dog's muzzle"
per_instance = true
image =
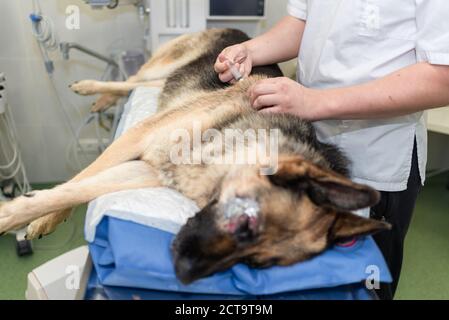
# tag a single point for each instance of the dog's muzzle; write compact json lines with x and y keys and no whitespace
{"x":241,"y":216}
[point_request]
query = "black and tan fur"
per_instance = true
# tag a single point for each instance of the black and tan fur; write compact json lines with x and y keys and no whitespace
{"x":304,"y":207}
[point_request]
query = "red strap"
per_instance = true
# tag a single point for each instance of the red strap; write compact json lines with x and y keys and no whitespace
{"x":348,"y":243}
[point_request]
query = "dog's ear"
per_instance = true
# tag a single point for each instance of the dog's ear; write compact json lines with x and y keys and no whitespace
{"x":348,"y":225}
{"x":324,"y":187}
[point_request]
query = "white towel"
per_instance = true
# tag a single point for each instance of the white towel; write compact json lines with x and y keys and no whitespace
{"x":162,"y":208}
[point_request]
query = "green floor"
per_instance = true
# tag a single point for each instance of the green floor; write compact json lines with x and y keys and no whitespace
{"x":425,"y":272}
{"x":426,"y":266}
{"x":14,"y":269}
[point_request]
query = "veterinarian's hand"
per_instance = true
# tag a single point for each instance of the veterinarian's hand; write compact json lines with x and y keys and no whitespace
{"x":238,"y":54}
{"x":282,"y":95}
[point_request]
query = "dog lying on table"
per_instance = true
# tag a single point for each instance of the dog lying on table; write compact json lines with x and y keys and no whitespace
{"x":262,"y":213}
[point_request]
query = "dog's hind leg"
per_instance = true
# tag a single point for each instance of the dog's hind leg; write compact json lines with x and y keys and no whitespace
{"x":169,"y":57}
{"x":24,"y":209}
{"x":104,"y":102}
{"x":110,"y":91}
{"x":118,"y":88}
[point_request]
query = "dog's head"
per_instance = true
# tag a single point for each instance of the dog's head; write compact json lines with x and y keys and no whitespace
{"x":266,"y":220}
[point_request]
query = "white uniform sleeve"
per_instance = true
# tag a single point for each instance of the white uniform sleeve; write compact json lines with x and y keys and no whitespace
{"x":297,"y":9}
{"x":432,"y":19}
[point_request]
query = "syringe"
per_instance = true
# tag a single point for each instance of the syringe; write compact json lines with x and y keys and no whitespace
{"x":235,"y":72}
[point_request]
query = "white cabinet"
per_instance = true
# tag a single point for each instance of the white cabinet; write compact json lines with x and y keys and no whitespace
{"x":438,"y":120}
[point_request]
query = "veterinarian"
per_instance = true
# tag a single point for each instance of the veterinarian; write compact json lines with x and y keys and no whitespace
{"x":367,"y":69}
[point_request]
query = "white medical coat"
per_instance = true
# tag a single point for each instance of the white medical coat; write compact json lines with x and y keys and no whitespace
{"x":349,"y":42}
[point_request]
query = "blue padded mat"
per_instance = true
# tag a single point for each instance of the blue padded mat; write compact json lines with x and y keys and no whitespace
{"x":97,"y":291}
{"x":130,"y":255}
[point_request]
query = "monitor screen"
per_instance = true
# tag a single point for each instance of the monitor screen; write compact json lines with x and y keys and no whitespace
{"x":237,"y":8}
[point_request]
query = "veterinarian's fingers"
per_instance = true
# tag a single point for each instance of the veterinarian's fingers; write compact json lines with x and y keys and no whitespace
{"x":223,"y":60}
{"x":220,"y":66}
{"x":236,"y":54}
{"x":237,"y":67}
{"x":222,"y":57}
{"x":242,"y":70}
{"x":263,"y":88}
{"x":260,"y":89}
{"x":234,"y":70}
{"x":240,"y":57}
{"x":265,"y":101}
{"x":273,"y":109}
{"x":226,"y":76}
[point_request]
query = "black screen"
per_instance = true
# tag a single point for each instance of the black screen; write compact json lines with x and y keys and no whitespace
{"x":236,"y":7}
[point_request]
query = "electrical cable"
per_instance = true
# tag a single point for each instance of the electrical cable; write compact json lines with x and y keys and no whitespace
{"x":43,"y":30}
{"x":71,"y":150}
{"x":15,"y":154}
{"x":15,"y":166}
{"x":67,"y":117}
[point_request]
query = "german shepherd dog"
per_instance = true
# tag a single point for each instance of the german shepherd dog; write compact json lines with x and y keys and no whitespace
{"x":279,"y":219}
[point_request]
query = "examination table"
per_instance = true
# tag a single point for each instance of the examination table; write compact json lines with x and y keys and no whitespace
{"x":128,"y":255}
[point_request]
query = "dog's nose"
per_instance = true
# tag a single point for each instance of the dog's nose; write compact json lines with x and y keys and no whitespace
{"x":241,"y":218}
{"x":243,"y":227}
{"x":183,"y":270}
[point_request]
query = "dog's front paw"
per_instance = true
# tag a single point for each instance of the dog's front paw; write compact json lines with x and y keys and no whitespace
{"x":85,"y":87}
{"x":46,"y":224}
{"x":104,"y":102}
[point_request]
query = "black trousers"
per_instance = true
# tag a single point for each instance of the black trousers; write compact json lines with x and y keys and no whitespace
{"x":397,"y":209}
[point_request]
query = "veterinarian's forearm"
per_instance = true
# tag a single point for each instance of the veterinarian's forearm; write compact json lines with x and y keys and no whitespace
{"x":412,"y":89}
{"x":279,"y":44}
